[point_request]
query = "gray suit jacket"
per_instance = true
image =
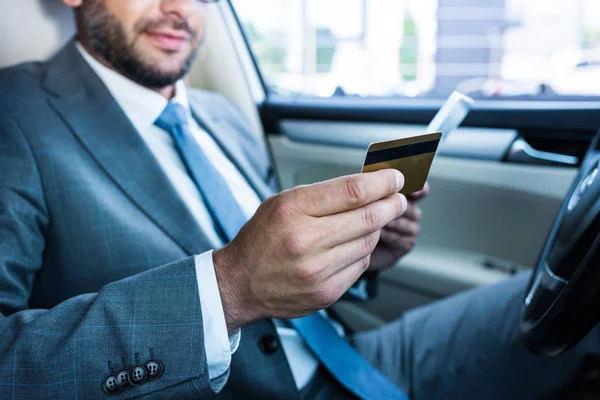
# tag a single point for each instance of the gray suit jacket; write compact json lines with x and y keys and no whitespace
{"x":96,"y":246}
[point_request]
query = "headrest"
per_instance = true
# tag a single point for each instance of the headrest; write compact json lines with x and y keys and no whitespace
{"x":32,"y":30}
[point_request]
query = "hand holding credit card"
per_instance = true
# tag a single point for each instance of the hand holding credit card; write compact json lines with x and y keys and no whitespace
{"x":413,"y":156}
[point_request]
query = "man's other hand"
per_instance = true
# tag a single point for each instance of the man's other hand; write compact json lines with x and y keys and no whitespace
{"x":399,"y":237}
{"x":306,"y":246}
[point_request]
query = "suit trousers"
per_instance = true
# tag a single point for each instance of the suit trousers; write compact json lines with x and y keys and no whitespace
{"x":467,"y":346}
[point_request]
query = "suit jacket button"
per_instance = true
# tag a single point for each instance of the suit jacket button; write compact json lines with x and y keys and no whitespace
{"x":137,"y":374}
{"x":268,"y":344}
{"x":154,"y":368}
{"x":110,"y":386}
{"x":123,"y":379}
{"x":123,"y":376}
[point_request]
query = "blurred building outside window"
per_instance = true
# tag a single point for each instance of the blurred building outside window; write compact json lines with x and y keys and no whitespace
{"x":426,"y":48}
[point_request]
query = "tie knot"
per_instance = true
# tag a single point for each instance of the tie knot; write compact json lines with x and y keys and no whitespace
{"x":172,"y":116}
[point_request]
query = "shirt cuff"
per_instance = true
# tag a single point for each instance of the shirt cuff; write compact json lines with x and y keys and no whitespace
{"x":217,"y":344}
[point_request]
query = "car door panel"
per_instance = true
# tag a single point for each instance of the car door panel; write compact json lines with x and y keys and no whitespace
{"x":476,"y":143}
{"x":475,"y":205}
{"x":484,"y":221}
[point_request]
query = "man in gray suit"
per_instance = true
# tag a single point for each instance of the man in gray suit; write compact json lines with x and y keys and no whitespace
{"x":116,"y":184}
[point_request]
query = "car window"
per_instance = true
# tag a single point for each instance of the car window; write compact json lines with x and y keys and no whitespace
{"x":426,"y":48}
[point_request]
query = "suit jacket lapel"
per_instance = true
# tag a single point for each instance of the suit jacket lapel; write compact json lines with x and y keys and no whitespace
{"x":232,"y":149}
{"x":105,"y":131}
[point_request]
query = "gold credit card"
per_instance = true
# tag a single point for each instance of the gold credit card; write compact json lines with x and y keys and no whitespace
{"x":411,"y":156}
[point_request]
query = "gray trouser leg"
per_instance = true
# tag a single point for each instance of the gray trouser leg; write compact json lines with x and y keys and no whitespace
{"x":468,"y":347}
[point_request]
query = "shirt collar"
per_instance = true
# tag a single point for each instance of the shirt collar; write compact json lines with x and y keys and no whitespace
{"x":141,"y":105}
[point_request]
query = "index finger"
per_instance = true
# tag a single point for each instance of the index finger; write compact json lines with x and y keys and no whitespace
{"x":348,"y":192}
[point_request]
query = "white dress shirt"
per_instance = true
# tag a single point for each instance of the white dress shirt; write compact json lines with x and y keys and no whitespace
{"x":143,"y":106}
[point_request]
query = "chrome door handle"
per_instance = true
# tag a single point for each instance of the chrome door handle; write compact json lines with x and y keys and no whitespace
{"x":522,"y":152}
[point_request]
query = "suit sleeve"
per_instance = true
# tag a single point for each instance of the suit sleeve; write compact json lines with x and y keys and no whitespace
{"x":64,"y":352}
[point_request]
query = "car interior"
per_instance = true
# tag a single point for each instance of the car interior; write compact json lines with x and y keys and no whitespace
{"x":497,"y":183}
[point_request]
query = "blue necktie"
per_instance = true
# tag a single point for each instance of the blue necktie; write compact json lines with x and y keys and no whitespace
{"x":224,"y":209}
{"x":344,"y":363}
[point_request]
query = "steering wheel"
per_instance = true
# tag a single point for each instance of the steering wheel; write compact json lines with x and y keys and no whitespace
{"x":562,"y":302}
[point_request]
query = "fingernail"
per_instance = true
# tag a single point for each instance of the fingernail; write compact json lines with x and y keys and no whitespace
{"x":404,"y":202}
{"x":399,"y":180}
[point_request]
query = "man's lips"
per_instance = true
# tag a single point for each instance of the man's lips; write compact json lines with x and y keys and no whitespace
{"x":168,"y":40}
